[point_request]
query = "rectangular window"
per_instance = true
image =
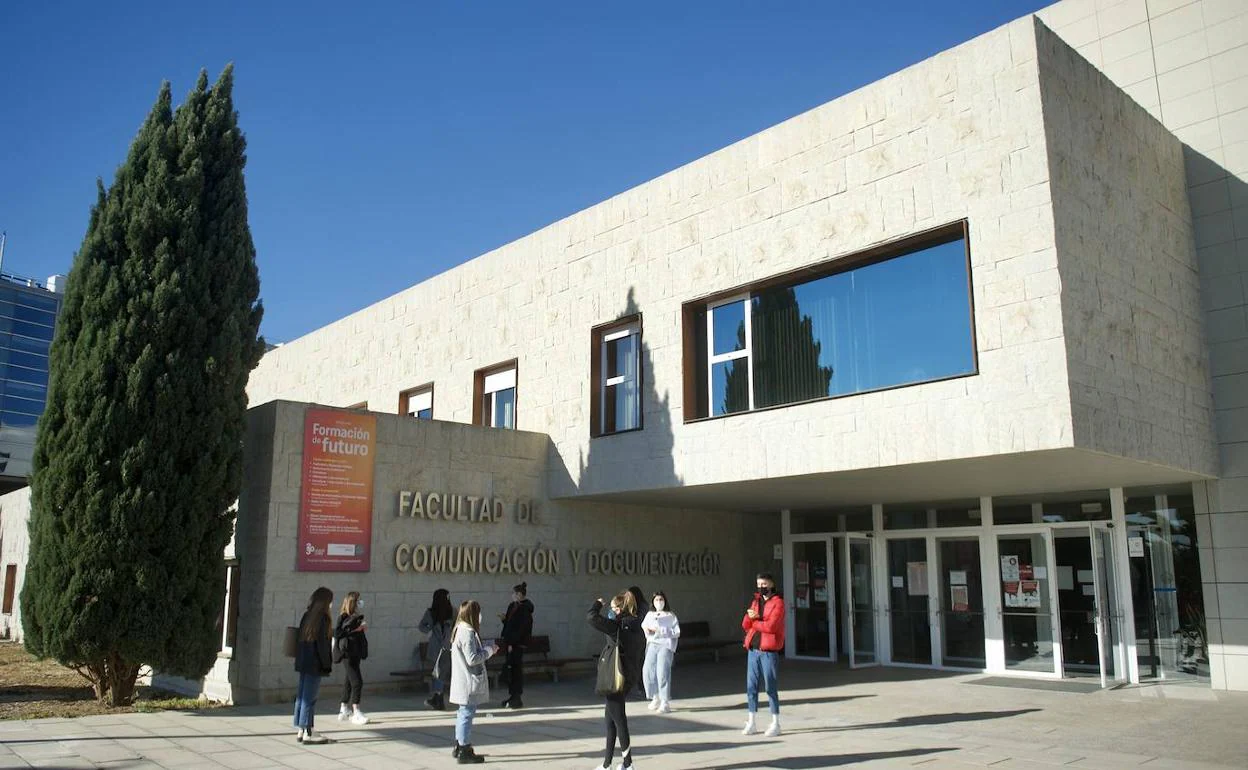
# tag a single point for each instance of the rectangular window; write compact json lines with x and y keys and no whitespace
{"x":616,"y":373}
{"x":495,"y":402}
{"x":229,"y":613}
{"x":417,"y":402}
{"x":10,"y":585}
{"x":898,"y":315}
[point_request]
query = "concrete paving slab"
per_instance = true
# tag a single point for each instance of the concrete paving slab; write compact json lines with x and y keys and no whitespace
{"x":832,"y":718}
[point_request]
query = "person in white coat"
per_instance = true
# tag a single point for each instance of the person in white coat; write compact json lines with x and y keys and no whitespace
{"x":470,"y":685}
{"x":662,"y":631}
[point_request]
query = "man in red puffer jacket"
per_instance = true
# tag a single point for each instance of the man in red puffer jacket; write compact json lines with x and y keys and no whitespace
{"x":764,"y":639}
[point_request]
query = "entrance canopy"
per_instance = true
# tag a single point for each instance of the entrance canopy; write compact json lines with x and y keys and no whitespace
{"x":996,"y":475}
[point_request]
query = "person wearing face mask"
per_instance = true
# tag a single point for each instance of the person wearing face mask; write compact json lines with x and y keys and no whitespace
{"x":517,"y":628}
{"x":662,"y":630}
{"x":624,"y":628}
{"x":764,"y":640}
{"x":351,"y":646}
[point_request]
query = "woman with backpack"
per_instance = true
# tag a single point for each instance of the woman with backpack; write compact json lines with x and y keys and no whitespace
{"x":313,"y":660}
{"x":470,"y":684}
{"x":438,"y":621}
{"x":351,"y":646}
{"x":624,"y":628}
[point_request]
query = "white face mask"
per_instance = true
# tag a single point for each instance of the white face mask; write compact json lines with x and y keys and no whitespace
{"x":359,"y":605}
{"x":660,"y":605}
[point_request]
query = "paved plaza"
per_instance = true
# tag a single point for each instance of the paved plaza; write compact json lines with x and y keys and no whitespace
{"x":832,"y":718}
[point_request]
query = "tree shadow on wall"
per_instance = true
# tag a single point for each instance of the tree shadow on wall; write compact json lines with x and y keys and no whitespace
{"x":786,"y":366}
{"x":627,"y":460}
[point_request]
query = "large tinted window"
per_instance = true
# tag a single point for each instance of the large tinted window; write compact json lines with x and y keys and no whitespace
{"x":897,"y":322}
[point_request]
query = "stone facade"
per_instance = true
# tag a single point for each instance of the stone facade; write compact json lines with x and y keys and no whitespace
{"x":1186,"y":62}
{"x":462,"y":459}
{"x":14,"y":547}
{"x":961,"y":136}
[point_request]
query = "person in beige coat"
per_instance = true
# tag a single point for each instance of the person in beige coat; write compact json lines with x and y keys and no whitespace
{"x":470,"y":685}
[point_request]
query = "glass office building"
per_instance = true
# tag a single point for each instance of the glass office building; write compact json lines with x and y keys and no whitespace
{"x":28,"y":311}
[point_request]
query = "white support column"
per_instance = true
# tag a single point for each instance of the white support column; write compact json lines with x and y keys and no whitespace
{"x":994,"y":630}
{"x":786,"y":580}
{"x":879,"y":557}
{"x":1122,"y":577}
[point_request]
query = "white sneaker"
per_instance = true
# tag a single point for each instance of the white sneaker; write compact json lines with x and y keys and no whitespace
{"x":665,"y":708}
{"x":623,"y":766}
{"x":344,"y":713}
{"x":774,"y":729}
{"x":359,"y":718}
{"x":654,"y":704}
{"x":299,"y":736}
{"x":312,"y":738}
{"x":750,"y":728}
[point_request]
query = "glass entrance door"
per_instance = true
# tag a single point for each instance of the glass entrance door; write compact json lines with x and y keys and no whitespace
{"x":812,"y":602}
{"x":859,"y":602}
{"x":1027,"y":602}
{"x":961,"y":602}
{"x":1108,"y":617}
{"x":909,"y":610}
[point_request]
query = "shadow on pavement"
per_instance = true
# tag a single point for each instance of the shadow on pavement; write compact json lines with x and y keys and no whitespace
{"x":828,"y":760}
{"x":762,"y":703}
{"x":921,"y":721}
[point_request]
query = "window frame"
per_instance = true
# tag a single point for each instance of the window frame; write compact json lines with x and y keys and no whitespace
{"x":479,"y":392}
{"x":406,"y":397}
{"x":10,"y":589}
{"x":747,"y":352}
{"x":229,"y":612}
{"x":599,"y":337}
{"x":697,"y":384}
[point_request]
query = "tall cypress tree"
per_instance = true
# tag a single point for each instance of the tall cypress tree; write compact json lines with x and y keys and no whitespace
{"x":138,"y":455}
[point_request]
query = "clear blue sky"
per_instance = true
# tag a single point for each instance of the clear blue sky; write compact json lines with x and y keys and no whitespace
{"x":390,"y":141}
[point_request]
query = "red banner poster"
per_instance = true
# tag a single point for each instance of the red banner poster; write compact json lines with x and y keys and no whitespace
{"x":336,"y":496}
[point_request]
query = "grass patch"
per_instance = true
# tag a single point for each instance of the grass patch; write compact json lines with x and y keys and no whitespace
{"x":42,"y":689}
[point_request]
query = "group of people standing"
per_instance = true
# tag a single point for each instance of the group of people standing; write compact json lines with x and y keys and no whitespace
{"x":645,"y":634}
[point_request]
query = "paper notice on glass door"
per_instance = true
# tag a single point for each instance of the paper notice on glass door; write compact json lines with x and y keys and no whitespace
{"x":959,"y":598}
{"x":916,"y":574}
{"x":1009,"y":569}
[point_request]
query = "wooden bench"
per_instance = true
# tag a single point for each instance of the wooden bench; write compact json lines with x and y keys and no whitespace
{"x":695,"y":636}
{"x":419,"y":674}
{"x":536,"y":658}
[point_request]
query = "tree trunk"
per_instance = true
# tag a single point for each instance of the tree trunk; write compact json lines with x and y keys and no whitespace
{"x":121,"y":681}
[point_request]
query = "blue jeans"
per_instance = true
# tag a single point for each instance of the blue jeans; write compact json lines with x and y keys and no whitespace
{"x":463,"y":724}
{"x":657,"y":672}
{"x":763,"y":666}
{"x":305,"y":700}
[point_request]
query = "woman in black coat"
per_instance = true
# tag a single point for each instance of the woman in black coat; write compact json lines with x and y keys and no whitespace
{"x":352,"y":647}
{"x":625,"y":628}
{"x":313,"y":660}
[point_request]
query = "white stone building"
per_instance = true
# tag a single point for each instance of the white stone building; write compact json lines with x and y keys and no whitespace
{"x":968,"y":345}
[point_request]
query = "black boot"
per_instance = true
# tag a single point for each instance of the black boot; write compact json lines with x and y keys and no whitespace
{"x":469,"y":757}
{"x":514,"y":702}
{"x":457,"y":751}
